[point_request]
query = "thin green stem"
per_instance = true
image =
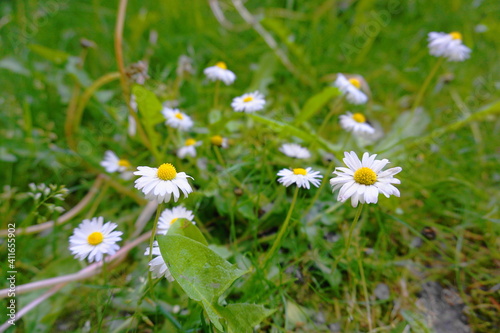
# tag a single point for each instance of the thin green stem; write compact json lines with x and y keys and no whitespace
{"x":330,"y":114}
{"x":349,"y":237}
{"x":426,"y":83}
{"x":284,"y":227}
{"x":318,"y":192}
{"x":104,"y":269}
{"x":216,"y":94}
{"x":351,"y":229}
{"x":221,"y":161}
{"x":365,"y":289}
{"x":152,"y":239}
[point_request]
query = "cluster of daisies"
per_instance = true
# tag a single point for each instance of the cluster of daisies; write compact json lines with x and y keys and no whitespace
{"x":361,"y":180}
{"x":446,"y":45}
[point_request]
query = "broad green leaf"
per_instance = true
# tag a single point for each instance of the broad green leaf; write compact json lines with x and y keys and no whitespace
{"x":316,"y":103}
{"x":201,"y":272}
{"x":150,"y":110}
{"x":56,"y":56}
{"x":242,"y":317}
{"x":213,"y":313}
{"x":186,"y":228}
{"x":149,"y":105}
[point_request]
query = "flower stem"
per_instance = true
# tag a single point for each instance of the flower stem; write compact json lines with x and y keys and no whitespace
{"x":284,"y":227}
{"x":349,"y":237}
{"x":318,"y":192}
{"x":426,"y":83}
{"x":336,"y":104}
{"x":365,"y":290}
{"x":221,"y":161}
{"x":152,"y":239}
{"x":216,"y":94}
{"x":351,"y":229}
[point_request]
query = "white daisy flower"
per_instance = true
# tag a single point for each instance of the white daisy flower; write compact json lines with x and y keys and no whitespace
{"x":300,"y":177}
{"x":363,"y":180}
{"x":351,"y":89}
{"x":294,"y":150}
{"x":111,"y":163}
{"x":92,"y":239}
{"x":248,"y":103}
{"x":157,"y":265}
{"x":170,"y":216}
{"x":220,"y":72}
{"x":162,"y":183}
{"x":219,"y":141}
{"x":177,"y":119}
{"x":189,"y":148}
{"x":448,"y":45}
{"x":356,"y":123}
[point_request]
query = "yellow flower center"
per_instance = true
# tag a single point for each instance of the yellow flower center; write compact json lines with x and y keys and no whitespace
{"x":365,"y":176}
{"x":217,"y":140}
{"x":190,"y":142}
{"x":173,"y":220}
{"x":300,"y":171}
{"x":95,"y":238}
{"x":248,"y":99}
{"x":179,"y":116}
{"x":358,"y":117}
{"x":355,"y":82}
{"x":166,"y":171}
{"x":124,"y":163}
{"x":221,"y":64}
{"x":456,"y":35}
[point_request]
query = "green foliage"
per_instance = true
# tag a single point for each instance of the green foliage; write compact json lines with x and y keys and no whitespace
{"x":316,"y":103}
{"x":448,"y":149}
{"x":205,"y":276}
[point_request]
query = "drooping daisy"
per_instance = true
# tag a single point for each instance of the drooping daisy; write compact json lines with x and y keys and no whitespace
{"x":351,"y":88}
{"x":157,"y":265}
{"x":356,"y":123}
{"x":448,"y":45}
{"x":219,"y":141}
{"x":300,"y":177}
{"x":177,"y":119}
{"x":92,"y":239}
{"x":162,"y":183}
{"x":248,"y":103}
{"x":111,"y":163}
{"x":363,"y":180}
{"x":170,"y":216}
{"x":294,"y":150}
{"x":189,"y":148}
{"x":220,"y":72}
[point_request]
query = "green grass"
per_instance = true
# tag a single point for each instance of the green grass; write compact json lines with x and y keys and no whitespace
{"x":449,"y":182}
